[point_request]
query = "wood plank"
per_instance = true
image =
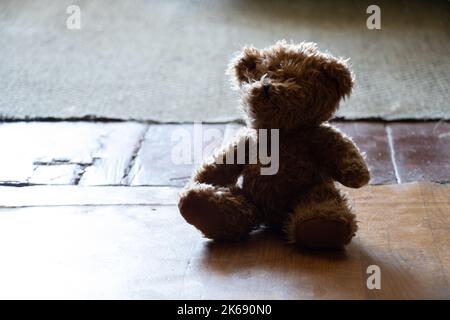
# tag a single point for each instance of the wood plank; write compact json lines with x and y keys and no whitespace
{"x":422,"y":151}
{"x":92,"y":252}
{"x":56,"y":174}
{"x":155,"y":166}
{"x":30,"y":196}
{"x":113,"y":160}
{"x":372,"y":139}
{"x":34,"y":152}
{"x":396,"y":234}
{"x":124,"y":153}
{"x":150,"y":252}
{"x":170,"y":153}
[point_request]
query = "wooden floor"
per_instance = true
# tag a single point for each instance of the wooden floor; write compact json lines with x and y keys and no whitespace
{"x":88,"y":210}
{"x":131,"y":242}
{"x":139,"y":154}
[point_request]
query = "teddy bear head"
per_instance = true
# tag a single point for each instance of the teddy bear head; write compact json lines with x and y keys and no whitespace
{"x":290,"y":85}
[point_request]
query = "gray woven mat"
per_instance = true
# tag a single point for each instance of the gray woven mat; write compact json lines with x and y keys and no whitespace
{"x":165,"y":60}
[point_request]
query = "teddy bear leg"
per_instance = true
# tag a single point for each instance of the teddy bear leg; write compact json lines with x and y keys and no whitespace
{"x":324,"y":220}
{"x":220,"y":213}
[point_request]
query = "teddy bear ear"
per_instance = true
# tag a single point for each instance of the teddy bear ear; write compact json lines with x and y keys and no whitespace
{"x":244,"y":67}
{"x":340,"y":72}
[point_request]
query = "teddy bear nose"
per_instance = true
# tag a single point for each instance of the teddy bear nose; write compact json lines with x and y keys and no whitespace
{"x":266,"y":88}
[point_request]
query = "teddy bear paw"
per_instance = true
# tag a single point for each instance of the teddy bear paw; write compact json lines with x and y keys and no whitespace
{"x":202,"y":212}
{"x":356,"y":178}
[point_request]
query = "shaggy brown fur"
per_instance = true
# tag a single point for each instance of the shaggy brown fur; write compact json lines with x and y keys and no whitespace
{"x":296,"y":89}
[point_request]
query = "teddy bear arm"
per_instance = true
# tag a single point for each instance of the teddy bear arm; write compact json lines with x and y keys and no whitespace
{"x":218,"y":174}
{"x":350,"y":168}
{"x":222,"y":168}
{"x":347,"y":165}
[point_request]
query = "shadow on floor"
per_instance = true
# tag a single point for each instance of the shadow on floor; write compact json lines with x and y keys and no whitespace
{"x":282,"y":271}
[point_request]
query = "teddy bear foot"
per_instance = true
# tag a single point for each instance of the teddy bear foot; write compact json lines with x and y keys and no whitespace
{"x":200,"y":211}
{"x":218,"y":213}
{"x":322,"y":233}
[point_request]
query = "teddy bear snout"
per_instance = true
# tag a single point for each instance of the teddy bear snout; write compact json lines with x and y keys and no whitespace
{"x":266,"y":88}
{"x":266,"y":85}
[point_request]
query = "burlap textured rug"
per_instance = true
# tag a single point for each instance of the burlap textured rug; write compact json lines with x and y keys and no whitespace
{"x":165,"y":60}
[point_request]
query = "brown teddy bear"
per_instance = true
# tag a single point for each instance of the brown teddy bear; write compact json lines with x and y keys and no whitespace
{"x":296,"y":89}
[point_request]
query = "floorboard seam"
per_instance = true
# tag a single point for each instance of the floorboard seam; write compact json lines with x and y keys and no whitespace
{"x":392,"y":153}
{"x":125,"y":178}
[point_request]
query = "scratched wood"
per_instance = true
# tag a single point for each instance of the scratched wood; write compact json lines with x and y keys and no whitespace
{"x":60,"y":147}
{"x":93,"y":153}
{"x":148,"y":251}
{"x":55,"y":174}
{"x":155,"y":164}
{"x":87,"y":153}
{"x":170,"y":153}
{"x":422,"y":151}
{"x":65,"y":152}
{"x":115,"y":157}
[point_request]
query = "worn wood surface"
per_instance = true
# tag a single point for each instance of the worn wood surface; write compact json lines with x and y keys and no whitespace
{"x":139,"y":154}
{"x":119,"y":244}
{"x":118,"y":148}
{"x":422,"y":152}
{"x":160,"y":162}
{"x":67,"y":152}
{"x":88,"y":210}
{"x":87,"y":153}
{"x":32,"y":196}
